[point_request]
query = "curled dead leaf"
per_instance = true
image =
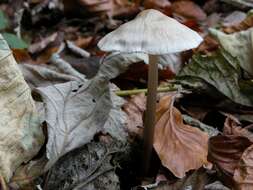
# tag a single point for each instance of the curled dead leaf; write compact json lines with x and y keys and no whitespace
{"x":180,"y":147}
{"x":188,"y":9}
{"x":208,"y":45}
{"x":243,"y":174}
{"x":226,"y":151}
{"x":244,"y":25}
{"x":110,"y":7}
{"x":233,"y":127}
{"x":22,"y":56}
{"x":161,"y":5}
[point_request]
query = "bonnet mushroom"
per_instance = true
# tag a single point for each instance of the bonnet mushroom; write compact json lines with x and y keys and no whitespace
{"x":155,"y":34}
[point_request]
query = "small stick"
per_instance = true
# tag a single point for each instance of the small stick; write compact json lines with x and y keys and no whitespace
{"x":77,"y":50}
{"x":137,"y":91}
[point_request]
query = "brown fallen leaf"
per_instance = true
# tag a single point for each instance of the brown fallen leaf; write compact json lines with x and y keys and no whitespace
{"x":180,"y":147}
{"x":83,"y":42}
{"x":45,"y":55}
{"x":243,"y":174}
{"x":134,"y":109}
{"x":232,"y":126}
{"x":208,"y":45}
{"x":194,"y":181}
{"x":41,"y":45}
{"x":188,"y":9}
{"x":244,"y":25}
{"x":161,"y":5}
{"x":234,"y":18}
{"x":97,"y":6}
{"x":225,"y":152}
{"x":22,"y":56}
{"x":111,"y":7}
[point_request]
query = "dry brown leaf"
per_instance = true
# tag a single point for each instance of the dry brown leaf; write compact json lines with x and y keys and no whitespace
{"x":46,"y":55}
{"x":233,"y":127}
{"x":20,"y":131}
{"x":208,"y":45}
{"x":226,"y":151}
{"x":243,"y":174}
{"x":244,"y":25}
{"x":83,"y":42}
{"x":102,"y":6}
{"x":41,"y":45}
{"x":137,"y":75}
{"x":134,"y":109}
{"x":21,"y":56}
{"x":161,"y":5}
{"x":93,"y":2}
{"x":189,"y":10}
{"x":111,"y":7}
{"x":180,"y":147}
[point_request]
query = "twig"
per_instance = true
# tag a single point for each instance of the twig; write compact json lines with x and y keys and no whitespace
{"x":150,"y":186}
{"x":39,"y":187}
{"x":46,"y":179}
{"x":137,"y":91}
{"x":65,"y":66}
{"x":77,"y":50}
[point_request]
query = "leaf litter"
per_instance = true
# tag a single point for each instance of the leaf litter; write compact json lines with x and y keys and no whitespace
{"x":88,"y":129}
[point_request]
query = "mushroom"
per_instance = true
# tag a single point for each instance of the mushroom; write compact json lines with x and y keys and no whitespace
{"x":155,"y":34}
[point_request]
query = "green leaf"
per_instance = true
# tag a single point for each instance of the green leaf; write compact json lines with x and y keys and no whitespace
{"x":3,"y":21}
{"x":14,"y":42}
{"x":218,"y":71}
{"x":239,"y":45}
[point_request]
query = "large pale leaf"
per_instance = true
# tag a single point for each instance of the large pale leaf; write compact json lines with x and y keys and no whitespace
{"x":188,"y":9}
{"x":75,"y":111}
{"x":180,"y":147}
{"x":116,"y":119}
{"x":20,"y":132}
{"x":218,"y":74}
{"x":227,"y":151}
{"x":42,"y":75}
{"x":238,"y":45}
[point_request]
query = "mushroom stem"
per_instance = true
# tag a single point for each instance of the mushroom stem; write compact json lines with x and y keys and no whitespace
{"x":149,"y":122}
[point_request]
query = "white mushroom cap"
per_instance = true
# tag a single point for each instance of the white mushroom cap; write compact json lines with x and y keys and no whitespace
{"x":151,"y":32}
